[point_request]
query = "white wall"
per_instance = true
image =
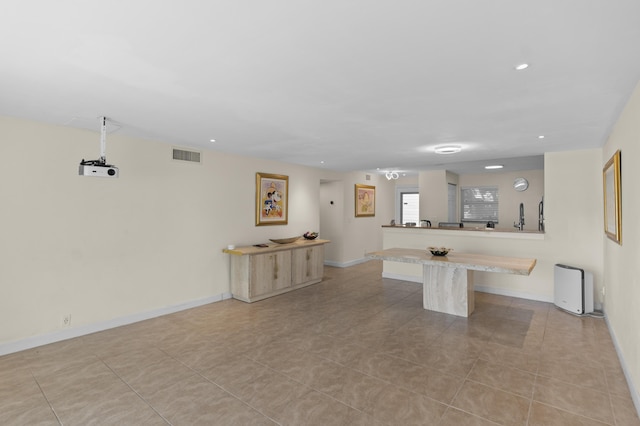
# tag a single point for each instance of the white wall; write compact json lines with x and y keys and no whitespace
{"x":433,"y":196}
{"x":106,"y":249}
{"x":332,"y":212}
{"x":622,"y":262}
{"x":362,"y":234}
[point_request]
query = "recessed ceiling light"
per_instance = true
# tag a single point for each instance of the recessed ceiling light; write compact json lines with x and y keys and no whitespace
{"x":212,"y":140}
{"x":522,"y":67}
{"x":447,"y":149}
{"x":541,"y":137}
{"x":495,"y":166}
{"x":321,"y":161}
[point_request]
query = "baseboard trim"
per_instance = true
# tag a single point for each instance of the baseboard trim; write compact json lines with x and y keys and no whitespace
{"x":511,"y":293}
{"x":632,"y":389}
{"x":57,"y":336}
{"x":480,"y":288}
{"x":346,"y":264}
{"x":402,"y":277}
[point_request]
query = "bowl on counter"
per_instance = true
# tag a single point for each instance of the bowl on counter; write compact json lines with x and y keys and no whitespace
{"x":310,"y":235}
{"x":284,"y":240}
{"x":439,"y":251}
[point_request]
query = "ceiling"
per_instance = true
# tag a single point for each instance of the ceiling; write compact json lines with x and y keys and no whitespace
{"x":343,"y":85}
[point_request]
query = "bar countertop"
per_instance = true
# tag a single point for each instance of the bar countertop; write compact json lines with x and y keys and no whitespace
{"x":479,"y":231}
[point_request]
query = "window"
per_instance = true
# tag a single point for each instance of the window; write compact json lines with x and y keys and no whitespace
{"x":479,"y":203}
{"x":409,"y":207}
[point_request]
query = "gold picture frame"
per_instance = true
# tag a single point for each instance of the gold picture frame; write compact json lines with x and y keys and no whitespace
{"x":612,"y":198}
{"x":365,"y":200}
{"x":272,"y":199}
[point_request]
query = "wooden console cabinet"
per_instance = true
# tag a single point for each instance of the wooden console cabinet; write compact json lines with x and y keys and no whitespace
{"x":261,"y":272}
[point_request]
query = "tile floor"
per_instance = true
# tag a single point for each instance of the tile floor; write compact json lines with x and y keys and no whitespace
{"x":355,"y":349}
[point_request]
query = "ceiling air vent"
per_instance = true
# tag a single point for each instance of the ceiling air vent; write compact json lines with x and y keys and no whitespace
{"x":184,"y":155}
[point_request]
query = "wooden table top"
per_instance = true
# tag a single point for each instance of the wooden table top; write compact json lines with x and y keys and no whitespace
{"x":271,"y":247}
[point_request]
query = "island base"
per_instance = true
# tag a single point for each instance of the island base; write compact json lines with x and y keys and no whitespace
{"x":448,"y":290}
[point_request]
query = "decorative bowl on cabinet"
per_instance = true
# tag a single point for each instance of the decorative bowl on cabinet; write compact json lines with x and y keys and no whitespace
{"x":284,"y":240}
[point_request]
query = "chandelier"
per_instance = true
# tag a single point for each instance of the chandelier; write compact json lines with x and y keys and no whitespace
{"x":392,"y":175}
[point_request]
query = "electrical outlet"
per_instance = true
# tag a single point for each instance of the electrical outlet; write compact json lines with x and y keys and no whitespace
{"x":66,"y":320}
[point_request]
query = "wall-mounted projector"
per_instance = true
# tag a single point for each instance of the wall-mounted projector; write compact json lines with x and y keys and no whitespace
{"x":99,"y":168}
{"x":95,"y":168}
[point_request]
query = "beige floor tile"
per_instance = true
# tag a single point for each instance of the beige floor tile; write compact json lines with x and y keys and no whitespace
{"x":616,"y":381}
{"x":545,"y":415}
{"x":459,"y":344}
{"x":234,"y":372}
{"x":355,"y":349}
{"x":354,"y":389}
{"x":492,"y":404}
{"x":107,"y":408}
{"x":590,"y":376}
{"x":78,"y":380}
{"x":22,"y":403}
{"x":148,"y":379}
{"x":575,"y":399}
{"x":196,"y":401}
{"x":403,"y":345}
{"x":314,"y":408}
{"x":624,"y":412}
{"x":481,"y":328}
{"x":516,"y":358}
{"x":28,"y":414}
{"x":397,"y":406}
{"x":455,"y":417}
{"x":457,"y":363}
{"x":508,"y":379}
{"x":269,"y":392}
{"x":138,"y":357}
{"x":336,"y":349}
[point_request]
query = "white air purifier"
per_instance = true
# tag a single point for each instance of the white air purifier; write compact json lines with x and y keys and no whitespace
{"x":573,"y":289}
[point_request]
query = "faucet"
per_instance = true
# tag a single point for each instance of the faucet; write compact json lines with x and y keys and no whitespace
{"x":520,"y":224}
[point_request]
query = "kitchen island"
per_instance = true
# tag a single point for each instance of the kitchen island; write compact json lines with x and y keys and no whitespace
{"x":446,"y":284}
{"x":500,"y":241}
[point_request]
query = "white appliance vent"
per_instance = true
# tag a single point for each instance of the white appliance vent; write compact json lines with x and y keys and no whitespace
{"x":184,"y":155}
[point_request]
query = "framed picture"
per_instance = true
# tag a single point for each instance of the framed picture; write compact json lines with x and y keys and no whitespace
{"x":365,"y":200}
{"x":612,"y":198}
{"x":272,"y":199}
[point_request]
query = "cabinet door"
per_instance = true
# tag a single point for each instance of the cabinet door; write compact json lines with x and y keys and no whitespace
{"x":308,"y":264}
{"x":270,"y":272}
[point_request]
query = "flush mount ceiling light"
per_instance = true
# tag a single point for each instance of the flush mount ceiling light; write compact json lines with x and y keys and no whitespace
{"x":495,"y":166}
{"x":447,"y":149}
{"x":392,"y":175}
{"x":521,"y":67}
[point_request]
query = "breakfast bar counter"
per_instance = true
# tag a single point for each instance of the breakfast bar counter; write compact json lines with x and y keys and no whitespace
{"x":446,"y":285}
